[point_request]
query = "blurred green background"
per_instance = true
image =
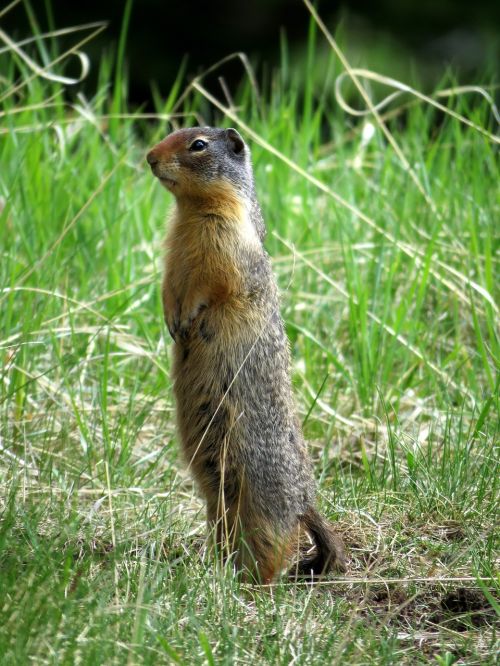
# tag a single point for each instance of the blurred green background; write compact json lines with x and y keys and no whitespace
{"x":408,"y":39}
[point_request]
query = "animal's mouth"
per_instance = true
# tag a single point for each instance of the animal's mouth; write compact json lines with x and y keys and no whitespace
{"x":162,"y":170}
{"x":163,"y":167}
{"x":168,"y":182}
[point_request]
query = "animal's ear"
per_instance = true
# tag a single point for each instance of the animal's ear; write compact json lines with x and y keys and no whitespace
{"x":235,"y":141}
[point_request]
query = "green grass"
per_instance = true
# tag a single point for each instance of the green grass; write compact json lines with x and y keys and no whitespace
{"x":389,"y":298}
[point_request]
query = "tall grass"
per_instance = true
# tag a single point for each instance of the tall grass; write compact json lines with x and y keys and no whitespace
{"x":385,"y":243}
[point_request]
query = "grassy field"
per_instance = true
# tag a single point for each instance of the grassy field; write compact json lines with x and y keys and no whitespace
{"x":384,"y":234}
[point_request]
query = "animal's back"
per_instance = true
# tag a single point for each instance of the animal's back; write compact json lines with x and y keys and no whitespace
{"x":235,"y":407}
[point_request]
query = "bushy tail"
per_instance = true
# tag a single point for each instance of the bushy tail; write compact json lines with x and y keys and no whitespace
{"x":330,"y":553}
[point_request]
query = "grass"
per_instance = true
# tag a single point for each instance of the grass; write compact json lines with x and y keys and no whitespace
{"x":389,"y":276}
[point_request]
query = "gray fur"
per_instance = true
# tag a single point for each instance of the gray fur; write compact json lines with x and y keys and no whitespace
{"x":231,"y":371}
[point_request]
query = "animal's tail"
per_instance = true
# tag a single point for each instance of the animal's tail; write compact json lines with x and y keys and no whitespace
{"x":330,"y":553}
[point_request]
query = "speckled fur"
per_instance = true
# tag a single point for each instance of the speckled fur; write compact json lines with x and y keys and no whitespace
{"x":235,"y":409}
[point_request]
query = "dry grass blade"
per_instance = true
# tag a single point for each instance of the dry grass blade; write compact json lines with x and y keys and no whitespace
{"x":45,"y":71}
{"x":414,"y":253}
{"x":388,"y":329}
{"x":7,"y":9}
{"x":67,"y":228}
{"x":340,"y":582}
{"x":402,"y":88}
{"x":407,"y":166}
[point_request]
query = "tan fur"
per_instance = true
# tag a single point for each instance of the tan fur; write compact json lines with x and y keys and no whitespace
{"x":240,"y":437}
{"x":198,"y":272}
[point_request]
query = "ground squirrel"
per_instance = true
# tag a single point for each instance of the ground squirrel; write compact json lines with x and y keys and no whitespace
{"x":235,"y":411}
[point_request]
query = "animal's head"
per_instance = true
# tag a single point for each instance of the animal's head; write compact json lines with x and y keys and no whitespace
{"x":192,"y":162}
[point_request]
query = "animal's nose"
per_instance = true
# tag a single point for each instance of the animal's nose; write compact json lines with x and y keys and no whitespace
{"x":151,"y":158}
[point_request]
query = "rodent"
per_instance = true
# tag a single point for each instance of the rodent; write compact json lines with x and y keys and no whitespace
{"x":231,"y":360}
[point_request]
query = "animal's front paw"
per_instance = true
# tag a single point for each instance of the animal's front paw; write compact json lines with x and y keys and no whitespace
{"x":172,"y":320}
{"x":172,"y":329}
{"x":187,"y":318}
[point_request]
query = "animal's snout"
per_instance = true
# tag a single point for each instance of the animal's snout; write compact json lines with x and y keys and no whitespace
{"x":152,"y":158}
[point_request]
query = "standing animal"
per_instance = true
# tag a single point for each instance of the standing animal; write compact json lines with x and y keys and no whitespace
{"x":231,"y":361}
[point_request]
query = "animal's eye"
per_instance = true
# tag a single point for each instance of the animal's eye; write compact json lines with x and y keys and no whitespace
{"x":198,"y":145}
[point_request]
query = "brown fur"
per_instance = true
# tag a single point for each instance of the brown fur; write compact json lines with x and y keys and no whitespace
{"x":195,"y":275}
{"x":235,"y":410}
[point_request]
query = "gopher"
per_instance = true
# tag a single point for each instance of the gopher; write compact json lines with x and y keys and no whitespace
{"x":231,"y":360}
